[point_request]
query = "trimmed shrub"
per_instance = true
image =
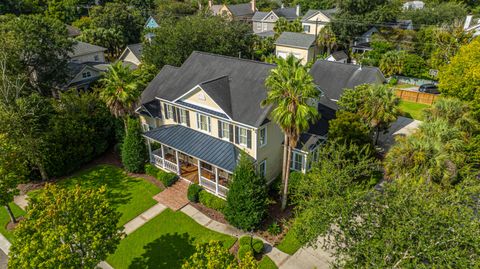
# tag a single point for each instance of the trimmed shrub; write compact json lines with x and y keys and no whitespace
{"x":256,"y":245}
{"x":166,"y":178}
{"x":243,"y":250}
{"x":151,"y":170}
{"x":193,"y":192}
{"x":247,"y":199}
{"x":209,"y":200}
{"x":133,"y":148}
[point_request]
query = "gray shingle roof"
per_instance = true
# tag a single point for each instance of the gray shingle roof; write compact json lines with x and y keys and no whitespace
{"x":136,"y":49}
{"x":339,"y":55}
{"x":241,"y":9}
{"x":259,"y":15}
{"x":246,"y":83}
{"x":212,"y":150}
{"x":296,"y":40}
{"x":312,"y":12}
{"x":82,"y":48}
{"x":73,"y":31}
{"x":289,"y":13}
{"x":219,"y":90}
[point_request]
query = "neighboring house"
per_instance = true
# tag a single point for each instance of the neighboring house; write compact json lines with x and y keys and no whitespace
{"x":200,"y":116}
{"x":150,"y":24}
{"x":263,"y":22}
{"x":338,"y":56}
{"x":332,"y":78}
{"x":239,"y":12}
{"x":85,"y":52}
{"x":132,"y":55}
{"x":204,"y":113}
{"x":472,"y":24}
{"x":73,"y":31}
{"x":414,"y":5}
{"x":362,"y":44}
{"x":314,"y":20}
{"x":300,"y":45}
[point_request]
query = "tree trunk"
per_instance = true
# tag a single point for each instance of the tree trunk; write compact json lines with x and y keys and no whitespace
{"x":125,"y":124}
{"x":43,"y":173}
{"x":377,"y":133}
{"x":10,"y":213}
{"x":287,"y":176}
{"x":284,"y":160}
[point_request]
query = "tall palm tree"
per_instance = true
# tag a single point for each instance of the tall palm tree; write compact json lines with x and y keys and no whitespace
{"x":380,"y":108}
{"x":120,"y":90}
{"x":291,"y":90}
{"x":327,"y":40}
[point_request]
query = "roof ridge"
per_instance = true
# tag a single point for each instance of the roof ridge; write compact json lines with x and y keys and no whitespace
{"x":230,"y":57}
{"x":359,"y":66}
{"x":212,"y":80}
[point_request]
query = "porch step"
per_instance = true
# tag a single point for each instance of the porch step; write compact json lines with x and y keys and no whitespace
{"x":175,"y":196}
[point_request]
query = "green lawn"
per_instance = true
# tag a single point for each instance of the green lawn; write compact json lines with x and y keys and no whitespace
{"x":164,"y":242}
{"x":5,"y":219}
{"x":266,"y":263}
{"x":412,"y":110}
{"x":289,"y":244}
{"x":131,"y":196}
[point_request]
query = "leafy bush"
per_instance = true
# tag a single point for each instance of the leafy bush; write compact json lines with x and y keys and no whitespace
{"x":133,"y":152}
{"x":393,"y":81}
{"x":274,"y":229}
{"x":209,"y":200}
{"x":256,"y":245}
{"x":243,"y":250}
{"x":165,"y":177}
{"x":247,"y":198}
{"x":151,"y":170}
{"x":193,"y":192}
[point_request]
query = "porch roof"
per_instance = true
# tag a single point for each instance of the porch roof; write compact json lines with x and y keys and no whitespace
{"x":202,"y":146}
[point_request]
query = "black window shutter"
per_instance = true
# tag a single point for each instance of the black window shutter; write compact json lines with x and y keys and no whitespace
{"x":187,"y":113}
{"x":166,"y":111}
{"x":159,"y":110}
{"x":175,"y":114}
{"x":179,"y":117}
{"x":231,"y":132}
{"x":249,"y":139}
{"x":236,"y":134}
{"x":219,"y":129}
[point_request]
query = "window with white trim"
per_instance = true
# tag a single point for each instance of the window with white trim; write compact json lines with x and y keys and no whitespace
{"x":262,"y":136}
{"x":169,"y":111}
{"x":306,"y":28}
{"x":203,"y":122}
{"x":262,"y":168}
{"x":259,"y":26}
{"x":265,"y":27}
{"x":297,"y":161}
{"x":183,"y":116}
{"x":145,"y":127}
{"x":242,"y":136}
{"x":225,"y":134}
{"x":86,"y":74}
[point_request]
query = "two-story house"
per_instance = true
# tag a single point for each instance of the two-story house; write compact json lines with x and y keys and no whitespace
{"x":314,"y":20}
{"x":200,"y":116}
{"x":238,"y":12}
{"x":263,"y":22}
{"x":302,"y":46}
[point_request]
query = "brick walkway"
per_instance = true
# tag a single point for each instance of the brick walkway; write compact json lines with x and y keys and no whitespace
{"x":175,"y":196}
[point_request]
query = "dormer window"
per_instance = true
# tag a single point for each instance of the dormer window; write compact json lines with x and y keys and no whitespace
{"x":86,"y":74}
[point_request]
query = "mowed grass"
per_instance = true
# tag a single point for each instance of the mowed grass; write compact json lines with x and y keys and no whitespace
{"x":130,"y":196}
{"x":5,"y":219}
{"x":164,"y":242}
{"x":290,"y":243}
{"x":412,"y":110}
{"x":266,"y":263}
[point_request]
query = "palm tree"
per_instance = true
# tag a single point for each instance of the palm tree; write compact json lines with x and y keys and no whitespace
{"x":327,"y":40}
{"x":380,"y":108}
{"x":392,"y":63}
{"x":290,"y":91}
{"x":120,"y":90}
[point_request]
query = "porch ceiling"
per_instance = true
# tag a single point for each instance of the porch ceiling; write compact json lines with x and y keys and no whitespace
{"x":196,"y":144}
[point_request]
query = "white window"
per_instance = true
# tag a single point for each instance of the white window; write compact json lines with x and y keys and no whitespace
{"x":169,"y":111}
{"x":183,"y":116}
{"x":225,"y":133}
{"x":297,"y":161}
{"x":86,"y":74}
{"x":262,"y":136}
{"x":242,"y":136}
{"x":282,"y":54}
{"x":262,"y":168}
{"x":265,"y":27}
{"x":95,"y":57}
{"x":203,"y":122}
{"x":259,"y":26}
{"x":306,"y":28}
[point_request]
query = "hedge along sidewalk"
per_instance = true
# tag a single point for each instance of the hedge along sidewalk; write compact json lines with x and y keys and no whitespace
{"x":273,"y":253}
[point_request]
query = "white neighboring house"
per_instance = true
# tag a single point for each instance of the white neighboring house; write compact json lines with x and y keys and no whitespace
{"x":264,"y":22}
{"x":413,"y":5}
{"x":338,"y":56}
{"x":132,"y":55}
{"x":314,"y":20}
{"x":300,"y":45}
{"x":472,"y":24}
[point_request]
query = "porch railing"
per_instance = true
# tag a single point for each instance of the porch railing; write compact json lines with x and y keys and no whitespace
{"x":170,"y":166}
{"x":157,"y":160}
{"x":211,"y":186}
{"x":222,"y":191}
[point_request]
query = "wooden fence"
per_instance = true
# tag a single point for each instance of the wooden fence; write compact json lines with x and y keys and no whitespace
{"x":417,"y":97}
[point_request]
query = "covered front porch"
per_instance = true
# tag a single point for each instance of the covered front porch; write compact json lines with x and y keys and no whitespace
{"x":194,"y":156}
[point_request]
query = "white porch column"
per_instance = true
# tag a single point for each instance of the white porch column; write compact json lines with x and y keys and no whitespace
{"x":216,"y":180}
{"x":199,"y":173}
{"x":178,"y":163}
{"x":149,"y":151}
{"x":163,"y":156}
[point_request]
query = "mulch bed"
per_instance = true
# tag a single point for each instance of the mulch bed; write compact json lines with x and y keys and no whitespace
{"x":213,"y":214}
{"x":276,"y":215}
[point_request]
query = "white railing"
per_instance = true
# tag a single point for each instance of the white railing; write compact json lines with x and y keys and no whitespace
{"x":157,"y":160}
{"x":208,"y":184}
{"x":170,"y":166}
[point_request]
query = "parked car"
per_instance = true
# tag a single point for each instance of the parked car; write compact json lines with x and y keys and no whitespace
{"x":429,"y":88}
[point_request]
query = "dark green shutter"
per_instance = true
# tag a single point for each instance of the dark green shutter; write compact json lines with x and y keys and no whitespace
{"x":236,"y":134}
{"x":165,"y":111}
{"x":175,"y":119}
{"x":219,"y":128}
{"x":230,"y":126}
{"x":249,"y":139}
{"x":187,"y":113}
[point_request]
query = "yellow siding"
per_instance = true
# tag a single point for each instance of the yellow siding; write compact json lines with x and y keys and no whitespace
{"x":321,"y":20}
{"x":201,"y":98}
{"x":304,"y":54}
{"x":130,"y":57}
{"x":272,"y":151}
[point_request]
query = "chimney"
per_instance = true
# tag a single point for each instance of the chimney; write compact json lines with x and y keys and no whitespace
{"x":210,"y":3}
{"x":297,"y":11}
{"x":254,"y":5}
{"x":468,"y":20}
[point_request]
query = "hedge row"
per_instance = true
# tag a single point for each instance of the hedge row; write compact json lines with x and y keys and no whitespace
{"x":209,"y":200}
{"x":165,"y":177}
{"x":249,"y":244}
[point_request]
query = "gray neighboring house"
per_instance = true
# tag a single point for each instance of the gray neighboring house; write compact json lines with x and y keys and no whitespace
{"x":362,"y":44}
{"x":238,"y":12}
{"x":263,"y":22}
{"x":73,"y":31}
{"x":338,"y":56}
{"x":300,"y":45}
{"x":132,"y":55}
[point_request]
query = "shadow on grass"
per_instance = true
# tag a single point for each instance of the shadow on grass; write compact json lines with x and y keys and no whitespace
{"x":168,"y":251}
